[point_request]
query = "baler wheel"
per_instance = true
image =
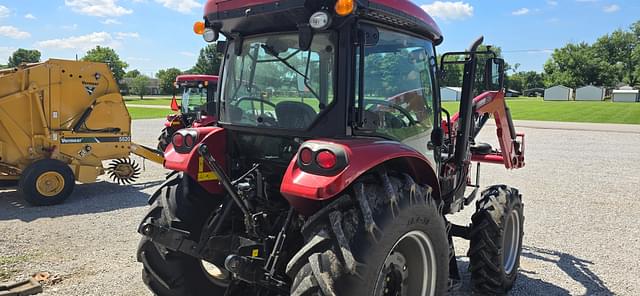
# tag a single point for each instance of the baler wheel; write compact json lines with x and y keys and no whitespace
{"x":46,"y":182}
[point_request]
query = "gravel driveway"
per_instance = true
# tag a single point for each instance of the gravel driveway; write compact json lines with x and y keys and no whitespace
{"x":581,"y":206}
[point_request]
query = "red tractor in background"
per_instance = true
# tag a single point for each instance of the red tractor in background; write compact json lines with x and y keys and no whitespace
{"x":196,"y":108}
{"x":341,"y":182}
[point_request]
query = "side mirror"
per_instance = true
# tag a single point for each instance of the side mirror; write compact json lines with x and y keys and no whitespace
{"x":371,"y":35}
{"x":221,"y":46}
{"x":437,"y":137}
{"x":494,"y":74}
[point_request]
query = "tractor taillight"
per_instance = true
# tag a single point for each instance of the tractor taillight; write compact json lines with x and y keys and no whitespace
{"x":326,"y":159}
{"x":178,"y":140}
{"x":189,"y":140}
{"x":185,"y":140}
{"x":306,"y":156}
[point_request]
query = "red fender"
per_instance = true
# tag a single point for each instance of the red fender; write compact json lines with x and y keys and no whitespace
{"x":173,"y":121}
{"x":305,"y":191}
{"x":193,"y":165}
{"x":205,"y":120}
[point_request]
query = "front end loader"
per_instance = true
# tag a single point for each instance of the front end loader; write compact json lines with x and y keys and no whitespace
{"x":341,"y":181}
{"x":58,"y":121}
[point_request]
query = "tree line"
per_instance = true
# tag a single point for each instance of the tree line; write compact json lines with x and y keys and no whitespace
{"x":612,"y":60}
{"x":208,"y":62}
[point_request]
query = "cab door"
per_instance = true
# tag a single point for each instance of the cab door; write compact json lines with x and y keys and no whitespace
{"x":399,"y":90}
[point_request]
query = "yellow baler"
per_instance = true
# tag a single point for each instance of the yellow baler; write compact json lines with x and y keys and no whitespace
{"x":58,"y":121}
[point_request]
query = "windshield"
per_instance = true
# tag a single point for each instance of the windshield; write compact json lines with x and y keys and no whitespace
{"x":194,"y":99}
{"x":274,"y":84}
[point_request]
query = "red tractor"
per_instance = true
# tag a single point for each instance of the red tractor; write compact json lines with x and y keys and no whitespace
{"x":197,"y":106}
{"x":341,"y":181}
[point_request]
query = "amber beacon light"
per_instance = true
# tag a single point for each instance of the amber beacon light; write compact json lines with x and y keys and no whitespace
{"x":198,"y":28}
{"x":345,"y":7}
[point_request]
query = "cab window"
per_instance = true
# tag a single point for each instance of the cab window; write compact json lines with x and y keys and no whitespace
{"x":398,"y":88}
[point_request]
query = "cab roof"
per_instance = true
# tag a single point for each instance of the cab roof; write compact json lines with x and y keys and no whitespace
{"x":237,"y":16}
{"x":190,"y":77}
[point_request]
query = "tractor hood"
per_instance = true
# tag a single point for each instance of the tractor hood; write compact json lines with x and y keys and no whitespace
{"x":250,"y":17}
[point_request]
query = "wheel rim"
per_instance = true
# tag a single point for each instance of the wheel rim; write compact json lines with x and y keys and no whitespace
{"x":215,"y":274}
{"x":50,"y":184}
{"x":511,"y":242}
{"x":409,"y":267}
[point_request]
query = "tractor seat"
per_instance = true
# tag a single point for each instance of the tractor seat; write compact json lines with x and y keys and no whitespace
{"x":481,"y":148}
{"x":294,"y":115}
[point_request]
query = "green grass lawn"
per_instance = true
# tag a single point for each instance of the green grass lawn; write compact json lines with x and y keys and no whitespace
{"x":570,"y":111}
{"x":154,"y":102}
{"x":147,"y":113}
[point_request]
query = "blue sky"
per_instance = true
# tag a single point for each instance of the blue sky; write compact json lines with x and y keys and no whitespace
{"x":156,"y":34}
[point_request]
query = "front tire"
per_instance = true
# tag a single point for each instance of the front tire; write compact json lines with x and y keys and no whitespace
{"x":46,"y":182}
{"x":165,"y":138}
{"x":389,"y":237}
{"x":179,"y":204}
{"x":496,"y":240}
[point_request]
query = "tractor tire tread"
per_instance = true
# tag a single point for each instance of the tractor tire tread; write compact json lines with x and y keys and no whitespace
{"x":485,"y":250}
{"x":335,"y":265}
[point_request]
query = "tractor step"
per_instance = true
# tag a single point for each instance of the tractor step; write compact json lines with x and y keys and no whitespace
{"x":24,"y":288}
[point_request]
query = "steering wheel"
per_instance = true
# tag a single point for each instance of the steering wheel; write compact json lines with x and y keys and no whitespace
{"x":404,"y":111}
{"x":264,"y":117}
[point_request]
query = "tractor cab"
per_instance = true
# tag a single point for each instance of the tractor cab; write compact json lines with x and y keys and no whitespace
{"x":197,"y":105}
{"x":332,"y":165}
{"x":198,"y":94}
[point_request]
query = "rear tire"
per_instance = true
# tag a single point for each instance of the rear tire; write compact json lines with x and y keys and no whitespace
{"x":496,"y":240}
{"x":46,"y":182}
{"x":406,"y":247}
{"x":179,"y":204}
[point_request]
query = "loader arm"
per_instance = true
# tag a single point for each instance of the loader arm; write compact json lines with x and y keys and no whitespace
{"x":511,"y":152}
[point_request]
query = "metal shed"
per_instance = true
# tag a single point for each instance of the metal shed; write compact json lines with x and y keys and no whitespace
{"x":625,"y":95}
{"x":558,"y":93}
{"x":450,"y":94}
{"x":590,"y":93}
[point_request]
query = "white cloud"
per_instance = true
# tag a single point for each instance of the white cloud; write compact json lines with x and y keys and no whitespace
{"x":111,"y":22}
{"x":101,"y":8}
{"x":587,"y":1}
{"x":13,"y":32}
{"x":127,"y":35}
{"x":5,"y":52}
{"x":182,"y":6}
{"x":86,"y":42}
{"x":4,"y":11}
{"x":552,"y":2}
{"x":69,"y":27}
{"x":521,"y":11}
{"x":611,"y":8}
{"x":449,"y":10}
{"x":29,"y":16}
